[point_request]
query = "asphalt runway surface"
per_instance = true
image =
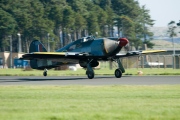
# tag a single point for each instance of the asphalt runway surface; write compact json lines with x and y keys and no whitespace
{"x":83,"y":80}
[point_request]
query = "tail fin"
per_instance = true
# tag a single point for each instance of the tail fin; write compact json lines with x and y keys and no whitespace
{"x":36,"y":46}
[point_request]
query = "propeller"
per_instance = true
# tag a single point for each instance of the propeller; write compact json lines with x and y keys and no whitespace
{"x":127,"y":47}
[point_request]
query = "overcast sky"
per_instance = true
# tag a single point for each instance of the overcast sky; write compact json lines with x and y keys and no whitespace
{"x":163,"y":11}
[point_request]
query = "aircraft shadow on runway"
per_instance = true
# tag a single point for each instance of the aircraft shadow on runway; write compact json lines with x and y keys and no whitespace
{"x":21,"y":79}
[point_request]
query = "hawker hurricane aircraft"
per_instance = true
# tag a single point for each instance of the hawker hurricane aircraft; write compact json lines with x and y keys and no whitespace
{"x":87,"y":52}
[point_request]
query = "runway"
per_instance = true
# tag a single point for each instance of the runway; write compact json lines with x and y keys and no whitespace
{"x":83,"y":80}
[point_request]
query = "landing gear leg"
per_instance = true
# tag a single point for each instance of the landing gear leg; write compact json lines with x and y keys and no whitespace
{"x":90,"y":72}
{"x":118,"y":72}
{"x":45,"y":72}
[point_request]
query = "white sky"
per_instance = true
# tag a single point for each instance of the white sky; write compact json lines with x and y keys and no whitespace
{"x":163,"y":11}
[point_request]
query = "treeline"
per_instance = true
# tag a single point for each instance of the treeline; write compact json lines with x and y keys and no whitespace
{"x":63,"y":21}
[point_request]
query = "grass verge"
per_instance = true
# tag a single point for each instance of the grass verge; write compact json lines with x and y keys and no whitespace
{"x":90,"y":102}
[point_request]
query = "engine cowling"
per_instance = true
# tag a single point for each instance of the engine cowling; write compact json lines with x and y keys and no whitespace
{"x":93,"y":63}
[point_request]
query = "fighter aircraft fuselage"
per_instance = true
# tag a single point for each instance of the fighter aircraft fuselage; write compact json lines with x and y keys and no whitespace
{"x":95,"y":47}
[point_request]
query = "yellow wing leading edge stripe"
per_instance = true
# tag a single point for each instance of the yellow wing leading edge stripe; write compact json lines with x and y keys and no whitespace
{"x":152,"y":51}
{"x":50,"y":53}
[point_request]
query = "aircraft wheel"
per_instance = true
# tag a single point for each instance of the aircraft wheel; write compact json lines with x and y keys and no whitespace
{"x":90,"y":74}
{"x":118,"y":73}
{"x":45,"y":73}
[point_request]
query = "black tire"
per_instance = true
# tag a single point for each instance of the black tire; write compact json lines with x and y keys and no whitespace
{"x":90,"y":74}
{"x":45,"y":74}
{"x":118,"y":73}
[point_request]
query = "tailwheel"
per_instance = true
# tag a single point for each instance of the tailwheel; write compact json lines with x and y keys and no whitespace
{"x":118,"y":73}
{"x":90,"y":74}
{"x":45,"y":72}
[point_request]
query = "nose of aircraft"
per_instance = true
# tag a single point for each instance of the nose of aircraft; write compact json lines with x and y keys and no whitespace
{"x":123,"y":42}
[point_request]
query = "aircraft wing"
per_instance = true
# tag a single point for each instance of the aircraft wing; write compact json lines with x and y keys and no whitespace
{"x":81,"y":55}
{"x":137,"y":53}
{"x":54,"y":55}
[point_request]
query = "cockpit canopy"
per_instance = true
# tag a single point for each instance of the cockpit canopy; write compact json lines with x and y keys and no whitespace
{"x":84,"y":39}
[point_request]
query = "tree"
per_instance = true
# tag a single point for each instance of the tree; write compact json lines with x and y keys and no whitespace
{"x":110,"y":21}
{"x":149,"y":44}
{"x":105,"y":16}
{"x":7,"y":27}
{"x":34,"y":19}
{"x":146,"y":22}
{"x":68,"y":23}
{"x":142,"y":23}
{"x":172,"y":33}
{"x":54,"y":12}
{"x":24,"y":21}
{"x":102,"y":20}
{"x":178,"y":24}
{"x":79,"y":25}
{"x":92,"y":21}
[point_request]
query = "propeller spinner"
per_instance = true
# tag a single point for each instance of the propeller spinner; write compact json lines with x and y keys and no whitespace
{"x":123,"y":42}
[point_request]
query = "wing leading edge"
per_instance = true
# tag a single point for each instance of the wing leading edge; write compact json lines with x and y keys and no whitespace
{"x":152,"y":51}
{"x":53,"y":55}
{"x":137,"y":53}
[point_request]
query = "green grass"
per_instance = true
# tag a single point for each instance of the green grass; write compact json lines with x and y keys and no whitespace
{"x":80,"y":72}
{"x":153,"y":71}
{"x":90,"y":102}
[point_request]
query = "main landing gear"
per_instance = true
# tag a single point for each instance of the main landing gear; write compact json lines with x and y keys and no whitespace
{"x":45,"y":72}
{"x":89,"y":71}
{"x":118,"y":72}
